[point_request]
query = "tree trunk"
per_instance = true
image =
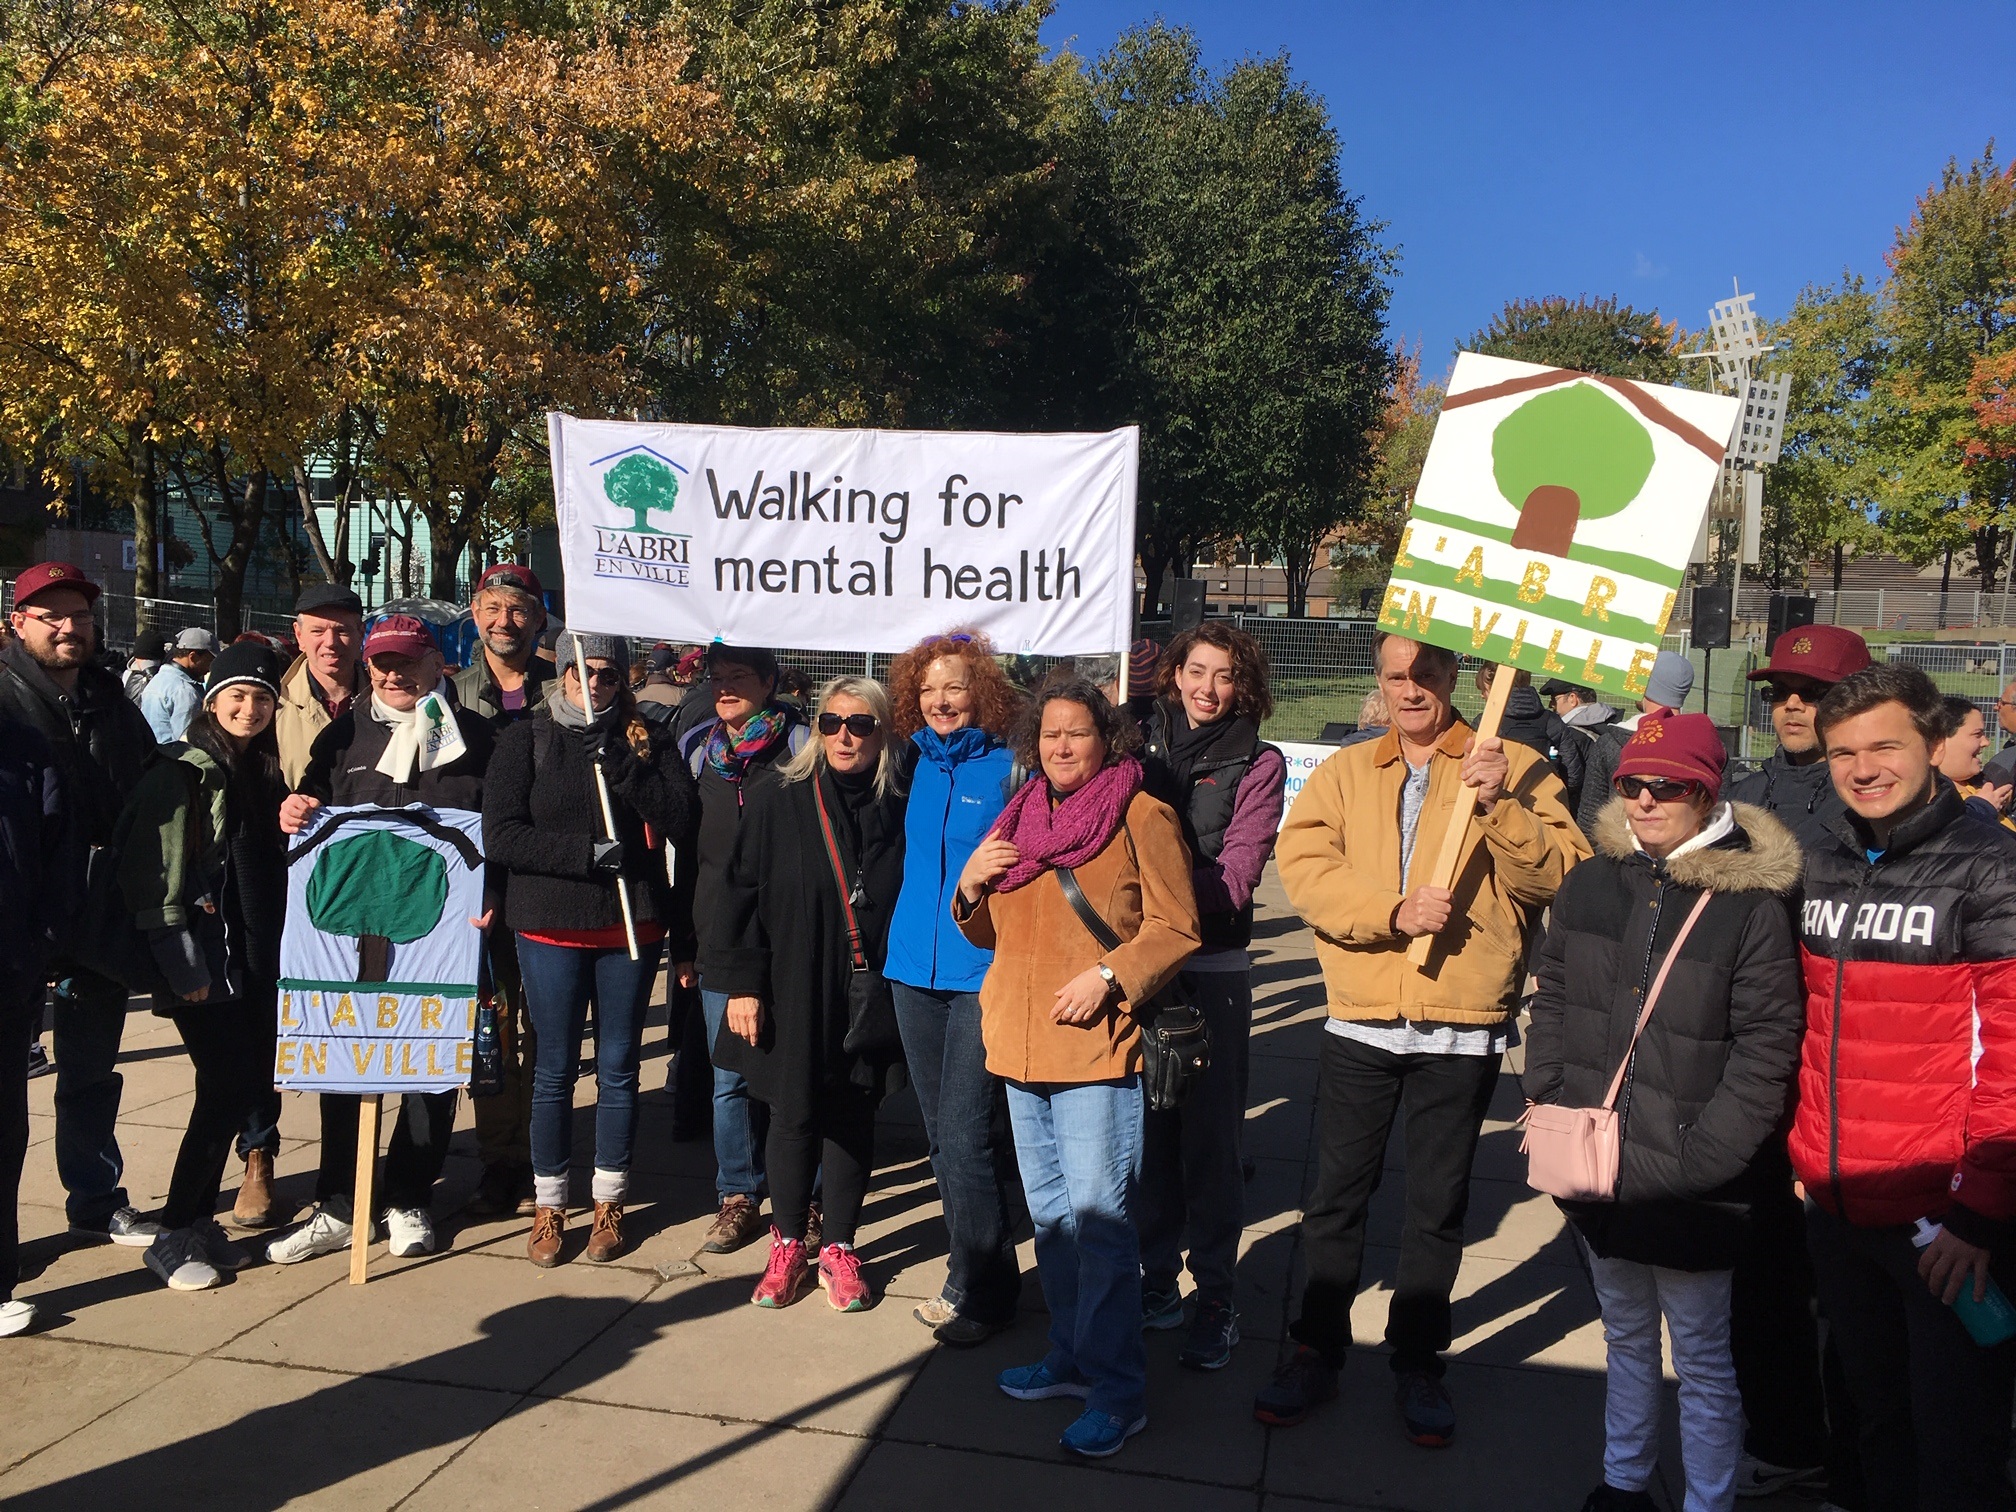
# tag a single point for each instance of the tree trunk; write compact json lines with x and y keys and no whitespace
{"x":146,"y":538}
{"x":1840,"y":562}
{"x":1987,"y":555}
{"x":1300,"y":559}
{"x":311,"y":522}
{"x":1945,"y":585}
{"x":1153,"y":565}
{"x":247,"y":513}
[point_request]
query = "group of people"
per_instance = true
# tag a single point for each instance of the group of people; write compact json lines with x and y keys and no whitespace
{"x":1796,"y":988}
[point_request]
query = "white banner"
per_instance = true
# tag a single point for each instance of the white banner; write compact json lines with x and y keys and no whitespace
{"x":846,"y":540}
{"x":1303,"y":759}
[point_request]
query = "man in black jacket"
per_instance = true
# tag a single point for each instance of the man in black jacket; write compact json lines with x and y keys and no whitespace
{"x":373,"y":753}
{"x":100,"y":744}
{"x":1792,"y":782}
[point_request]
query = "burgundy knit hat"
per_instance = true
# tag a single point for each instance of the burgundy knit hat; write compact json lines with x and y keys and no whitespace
{"x":1685,"y":747}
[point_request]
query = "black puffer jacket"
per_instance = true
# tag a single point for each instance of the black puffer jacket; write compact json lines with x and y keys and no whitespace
{"x":1801,"y":797}
{"x":1711,"y":1077}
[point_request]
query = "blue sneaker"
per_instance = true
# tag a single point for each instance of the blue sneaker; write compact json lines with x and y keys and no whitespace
{"x":1034,"y":1383}
{"x":1098,"y":1434}
{"x":1160,"y":1309}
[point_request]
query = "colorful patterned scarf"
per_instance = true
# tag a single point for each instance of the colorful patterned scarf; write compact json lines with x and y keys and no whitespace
{"x":1077,"y":829}
{"x":730,"y":755}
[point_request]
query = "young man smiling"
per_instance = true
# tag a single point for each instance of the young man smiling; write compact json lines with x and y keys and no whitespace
{"x":1907,"y":1095}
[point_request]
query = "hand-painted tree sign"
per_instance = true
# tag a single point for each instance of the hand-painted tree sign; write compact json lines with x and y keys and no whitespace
{"x":379,"y":960}
{"x":1554,"y":518}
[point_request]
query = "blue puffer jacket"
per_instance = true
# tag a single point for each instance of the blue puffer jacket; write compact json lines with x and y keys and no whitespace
{"x":957,"y":792}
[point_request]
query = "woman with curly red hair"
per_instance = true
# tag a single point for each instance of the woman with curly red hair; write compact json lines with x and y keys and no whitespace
{"x":954,"y":703}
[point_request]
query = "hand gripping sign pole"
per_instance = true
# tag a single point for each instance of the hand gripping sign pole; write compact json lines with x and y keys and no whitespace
{"x":1453,"y":838}
{"x":602,"y":793}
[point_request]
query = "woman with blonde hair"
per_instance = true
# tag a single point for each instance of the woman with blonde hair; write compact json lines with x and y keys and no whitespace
{"x":951,"y":700}
{"x":796,"y":940}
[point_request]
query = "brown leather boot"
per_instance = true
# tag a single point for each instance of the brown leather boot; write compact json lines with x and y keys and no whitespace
{"x":605,"y":1240}
{"x":735,"y":1225}
{"x":548,"y":1227}
{"x":254,"y":1207}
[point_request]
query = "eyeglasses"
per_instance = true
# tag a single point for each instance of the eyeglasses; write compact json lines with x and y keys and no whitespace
{"x":607,"y":676}
{"x":1777,"y":692}
{"x":860,"y":726}
{"x":76,"y":618}
{"x":1662,"y":789}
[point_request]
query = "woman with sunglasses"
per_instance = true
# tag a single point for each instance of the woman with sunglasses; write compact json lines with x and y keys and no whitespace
{"x":1703,"y":1086}
{"x":796,"y":937}
{"x":543,"y":824}
{"x":955,"y":705}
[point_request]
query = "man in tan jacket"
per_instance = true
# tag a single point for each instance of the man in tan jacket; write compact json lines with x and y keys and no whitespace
{"x":1355,"y":856}
{"x":325,"y":677}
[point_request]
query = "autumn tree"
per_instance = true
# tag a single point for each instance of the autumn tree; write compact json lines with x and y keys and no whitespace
{"x":1588,"y":335}
{"x":1369,"y":542}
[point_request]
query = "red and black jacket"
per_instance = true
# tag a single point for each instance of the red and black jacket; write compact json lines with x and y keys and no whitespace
{"x":1907,"y":1076}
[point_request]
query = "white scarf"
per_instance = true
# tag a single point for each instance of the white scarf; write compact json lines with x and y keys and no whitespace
{"x":425,"y":735}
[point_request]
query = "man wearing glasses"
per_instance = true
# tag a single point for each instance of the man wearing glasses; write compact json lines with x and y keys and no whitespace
{"x":101,"y":745}
{"x":1772,"y":1333}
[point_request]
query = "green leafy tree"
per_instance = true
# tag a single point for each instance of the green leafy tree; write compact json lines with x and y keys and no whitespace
{"x":1588,"y":335}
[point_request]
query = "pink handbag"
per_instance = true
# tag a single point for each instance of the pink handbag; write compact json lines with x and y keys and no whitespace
{"x":1573,"y":1153}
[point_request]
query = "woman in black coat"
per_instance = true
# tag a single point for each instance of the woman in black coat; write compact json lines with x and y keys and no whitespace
{"x":782,"y":945}
{"x":1704,"y":1090}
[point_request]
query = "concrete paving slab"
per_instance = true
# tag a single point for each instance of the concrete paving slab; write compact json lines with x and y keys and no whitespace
{"x":906,"y":1477}
{"x":223,"y":1435}
{"x":52,"y":1388}
{"x":1274,"y":1195}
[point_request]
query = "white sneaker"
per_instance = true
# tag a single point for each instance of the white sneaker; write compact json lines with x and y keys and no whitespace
{"x":125,"y":1227}
{"x":177,"y":1258}
{"x":411,"y":1231}
{"x":15,"y":1317}
{"x":326,"y":1233}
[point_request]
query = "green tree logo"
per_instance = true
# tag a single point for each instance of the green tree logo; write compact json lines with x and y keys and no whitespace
{"x":641,"y":483}
{"x":1564,"y":456}
{"x":381,"y":889}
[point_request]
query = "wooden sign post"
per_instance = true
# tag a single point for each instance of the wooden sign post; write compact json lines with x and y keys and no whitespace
{"x":363,"y":1201}
{"x":1451,"y":854}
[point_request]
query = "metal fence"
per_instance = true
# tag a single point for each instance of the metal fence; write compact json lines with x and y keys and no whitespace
{"x":1876,"y":609}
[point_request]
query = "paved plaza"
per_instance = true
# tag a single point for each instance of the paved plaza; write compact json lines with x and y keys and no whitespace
{"x":470,"y":1379}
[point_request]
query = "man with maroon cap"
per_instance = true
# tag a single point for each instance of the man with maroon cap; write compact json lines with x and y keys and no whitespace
{"x":101,"y":744}
{"x":507,"y":680}
{"x":1776,"y":1343}
{"x":377,"y":751}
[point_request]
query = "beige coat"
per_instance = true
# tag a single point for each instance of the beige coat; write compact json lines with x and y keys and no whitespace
{"x":1339,"y":855}
{"x":1143,"y":893}
{"x":301,"y":717}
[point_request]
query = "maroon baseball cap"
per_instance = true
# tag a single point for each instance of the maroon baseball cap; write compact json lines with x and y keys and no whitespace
{"x":1685,"y":747}
{"x":399,"y":634}
{"x":510,"y":575}
{"x":46,"y":575}
{"x":1825,"y":653}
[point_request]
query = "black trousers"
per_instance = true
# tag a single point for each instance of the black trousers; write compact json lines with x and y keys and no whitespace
{"x":837,"y":1135}
{"x":1359,"y":1089}
{"x":1773,"y":1333}
{"x":230,"y":1045}
{"x":1932,"y":1405}
{"x":20,"y":1022}
{"x":413,"y":1163}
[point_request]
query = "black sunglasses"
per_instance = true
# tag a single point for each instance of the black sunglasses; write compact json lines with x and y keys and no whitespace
{"x":609,"y":675}
{"x":1662,"y":789}
{"x":860,"y":726}
{"x":1776,"y":692}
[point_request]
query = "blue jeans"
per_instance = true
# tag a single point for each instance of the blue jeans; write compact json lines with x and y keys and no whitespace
{"x":90,"y":1022}
{"x":972,"y":1150}
{"x":740,"y":1122}
{"x":1080,"y":1152}
{"x":558,"y":980}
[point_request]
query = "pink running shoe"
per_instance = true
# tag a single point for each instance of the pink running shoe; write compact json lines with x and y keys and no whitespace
{"x":785,"y":1276}
{"x":840,"y":1275}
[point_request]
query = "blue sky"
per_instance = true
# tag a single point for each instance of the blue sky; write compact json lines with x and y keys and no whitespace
{"x":1649,"y":152}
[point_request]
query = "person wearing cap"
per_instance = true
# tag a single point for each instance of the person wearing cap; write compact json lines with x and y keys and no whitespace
{"x":1578,"y":716}
{"x":742,"y":745}
{"x":505,"y":682}
{"x":150,"y":650}
{"x":101,"y":746}
{"x":1355,"y":856}
{"x":375,"y":753}
{"x":202,"y":869}
{"x":1905,"y":1131}
{"x":1792,"y":782}
{"x":174,"y":693}
{"x":1777,"y":1343}
{"x":325,"y":678}
{"x":568,"y":880}
{"x":1666,"y":689}
{"x":1709,"y":1079}
{"x":661,"y":687}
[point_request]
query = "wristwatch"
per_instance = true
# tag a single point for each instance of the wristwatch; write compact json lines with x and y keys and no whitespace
{"x":1112,"y":981}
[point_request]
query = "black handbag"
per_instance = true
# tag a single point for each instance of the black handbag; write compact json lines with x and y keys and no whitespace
{"x":872,"y":1032}
{"x":1175,"y":1042}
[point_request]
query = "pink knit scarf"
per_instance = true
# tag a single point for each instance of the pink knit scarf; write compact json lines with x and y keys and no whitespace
{"x":1077,"y":829}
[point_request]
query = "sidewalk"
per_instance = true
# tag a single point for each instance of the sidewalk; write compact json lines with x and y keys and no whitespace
{"x":471,"y":1379}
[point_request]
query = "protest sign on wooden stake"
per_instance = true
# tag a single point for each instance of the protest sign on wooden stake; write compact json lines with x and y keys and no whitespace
{"x":1553,"y":521}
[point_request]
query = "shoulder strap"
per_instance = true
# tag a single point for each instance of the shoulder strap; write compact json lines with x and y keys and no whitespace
{"x":1652,"y":997}
{"x":840,"y":877}
{"x":1098,"y":928}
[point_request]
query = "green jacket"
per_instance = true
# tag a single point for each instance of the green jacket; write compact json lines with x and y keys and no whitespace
{"x":477,"y":691}
{"x":172,"y":850}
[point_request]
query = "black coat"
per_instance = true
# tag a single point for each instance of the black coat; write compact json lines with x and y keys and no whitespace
{"x":343,"y":765}
{"x":777,"y":932}
{"x":34,"y":881}
{"x":723,"y":806}
{"x":1711,"y":1079}
{"x":541,"y":819}
{"x":1801,"y":797}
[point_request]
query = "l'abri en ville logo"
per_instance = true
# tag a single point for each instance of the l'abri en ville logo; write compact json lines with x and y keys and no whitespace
{"x":640,"y":483}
